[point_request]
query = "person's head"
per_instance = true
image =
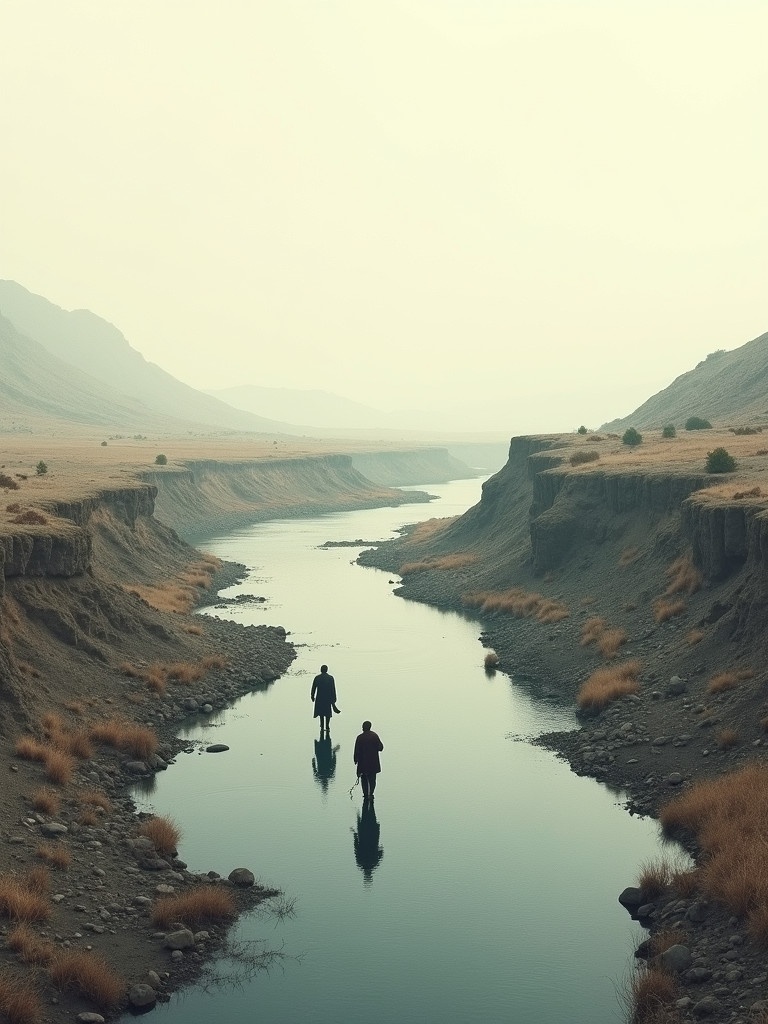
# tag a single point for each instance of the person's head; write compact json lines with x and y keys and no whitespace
{"x":366,"y":726}
{"x":323,"y":668}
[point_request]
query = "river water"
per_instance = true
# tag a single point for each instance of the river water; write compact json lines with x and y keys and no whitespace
{"x":481,"y":887}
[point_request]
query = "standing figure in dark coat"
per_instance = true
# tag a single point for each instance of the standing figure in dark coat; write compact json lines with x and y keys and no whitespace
{"x":324,"y":696}
{"x":324,"y":761}
{"x":366,"y":757}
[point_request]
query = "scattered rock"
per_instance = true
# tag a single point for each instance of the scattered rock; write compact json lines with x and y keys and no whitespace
{"x":243,"y":878}
{"x":216,"y":748}
{"x":141,"y":996}
{"x":182,"y":939}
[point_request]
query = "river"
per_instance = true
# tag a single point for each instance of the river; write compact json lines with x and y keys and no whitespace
{"x":482,"y":886}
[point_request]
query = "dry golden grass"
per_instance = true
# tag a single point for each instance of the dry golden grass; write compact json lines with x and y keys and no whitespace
{"x":47,"y":801}
{"x":652,"y":992}
{"x":694,"y":636}
{"x":19,"y":1001}
{"x":89,"y":974}
{"x":686,"y":881}
{"x":491,"y":660}
{"x":55,"y":854}
{"x":37,"y":880}
{"x":592,"y":629}
{"x":125,"y":735}
{"x":727,"y":739}
{"x":729,"y":818}
{"x":664,"y":609}
{"x":127,"y":668}
{"x":31,"y":947}
{"x":18,"y":903}
{"x":728,"y":680}
{"x":76,"y":707}
{"x":608,"y":684}
{"x":654,"y":878}
{"x":198,"y":906}
{"x":521,"y":603}
{"x":59,"y":766}
{"x":585,"y":602}
{"x":663,"y":940}
{"x":611,"y":640}
{"x":428,"y":529}
{"x":683,"y":576}
{"x":88,"y":817}
{"x":95,"y":798}
{"x":163,"y":832}
{"x":194,"y":630}
{"x":214,"y":661}
{"x":628,"y":556}
{"x":441,"y":562}
{"x":167,"y":597}
{"x":30,"y":749}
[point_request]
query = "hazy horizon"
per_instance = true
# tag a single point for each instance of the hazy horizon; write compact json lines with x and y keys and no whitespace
{"x":528,"y":215}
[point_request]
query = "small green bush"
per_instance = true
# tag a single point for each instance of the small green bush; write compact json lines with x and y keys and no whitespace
{"x":631,"y":437}
{"x":580,"y":457}
{"x":582,"y":429}
{"x":103,"y":444}
{"x":669,"y":431}
{"x":41,"y":468}
{"x":161,"y":460}
{"x":697,"y":423}
{"x":719,"y":461}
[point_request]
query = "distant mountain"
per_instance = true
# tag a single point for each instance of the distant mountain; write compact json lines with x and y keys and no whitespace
{"x":304,"y":408}
{"x":97,"y":348}
{"x":730,"y":387}
{"x":37,"y":388}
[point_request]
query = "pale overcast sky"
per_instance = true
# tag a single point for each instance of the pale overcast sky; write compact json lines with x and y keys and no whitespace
{"x":543,"y":210}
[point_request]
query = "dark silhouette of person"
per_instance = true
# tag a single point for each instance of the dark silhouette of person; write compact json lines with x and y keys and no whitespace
{"x":324,"y":762}
{"x":324,"y":695}
{"x":368,"y":853}
{"x":366,"y":757}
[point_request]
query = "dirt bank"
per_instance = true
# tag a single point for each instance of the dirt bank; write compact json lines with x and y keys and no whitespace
{"x":662,"y":565}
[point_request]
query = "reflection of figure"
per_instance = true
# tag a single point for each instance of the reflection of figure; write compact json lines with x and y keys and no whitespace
{"x":368,"y":853}
{"x":324,"y":695}
{"x":366,"y":757}
{"x":324,"y":761}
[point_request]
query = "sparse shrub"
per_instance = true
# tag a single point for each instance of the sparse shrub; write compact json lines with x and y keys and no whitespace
{"x":30,"y":749}
{"x":41,"y":468}
{"x":608,"y":684}
{"x":32,"y":949}
{"x":37,"y":879}
{"x":30,"y":517}
{"x":59,"y":766}
{"x":631,"y":437}
{"x":683,"y":576}
{"x":728,"y":680}
{"x":103,"y":444}
{"x":686,"y":882}
{"x":753,"y":492}
{"x":197,"y":906}
{"x":727,"y":738}
{"x":19,"y":904}
{"x":582,"y":430}
{"x":664,"y":610}
{"x":611,"y":640}
{"x":491,"y":661}
{"x":694,"y":636}
{"x":746,"y":430}
{"x":19,"y":1001}
{"x":89,"y":974}
{"x":697,"y":423}
{"x":669,"y":431}
{"x":13,"y":507}
{"x":654,"y":878}
{"x":592,"y":629}
{"x":580,"y":457}
{"x":88,"y":817}
{"x":652,"y":992}
{"x":164,"y":834}
{"x":55,"y":854}
{"x":161,"y":460}
{"x":47,"y":801}
{"x":8,"y":482}
{"x":720,"y":461}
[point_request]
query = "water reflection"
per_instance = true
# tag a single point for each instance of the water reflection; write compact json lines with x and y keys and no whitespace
{"x":324,"y":761}
{"x":368,"y":852}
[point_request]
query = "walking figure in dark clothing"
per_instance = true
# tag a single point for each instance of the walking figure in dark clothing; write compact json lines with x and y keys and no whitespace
{"x":366,"y":757}
{"x":324,"y":696}
{"x":368,"y":852}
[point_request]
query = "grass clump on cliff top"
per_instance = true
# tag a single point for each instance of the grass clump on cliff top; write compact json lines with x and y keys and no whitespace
{"x":720,"y":461}
{"x":582,"y":457}
{"x":522,"y":604}
{"x":198,"y":906}
{"x":608,"y":684}
{"x":631,"y":437}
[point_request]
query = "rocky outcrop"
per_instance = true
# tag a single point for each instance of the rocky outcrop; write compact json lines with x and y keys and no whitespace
{"x":726,"y":536}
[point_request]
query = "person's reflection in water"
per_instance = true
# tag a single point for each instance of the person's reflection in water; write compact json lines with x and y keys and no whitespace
{"x":324,"y":761}
{"x":368,"y":853}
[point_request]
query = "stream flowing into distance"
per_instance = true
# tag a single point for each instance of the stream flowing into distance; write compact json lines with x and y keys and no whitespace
{"x":483,"y":886}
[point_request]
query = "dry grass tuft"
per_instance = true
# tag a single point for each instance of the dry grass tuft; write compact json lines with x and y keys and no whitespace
{"x":727,"y":739}
{"x":592,"y":629}
{"x":521,"y":603}
{"x":31,"y":947}
{"x":428,"y":529}
{"x":686,"y":882}
{"x":728,"y":680}
{"x":88,"y":817}
{"x":125,"y":735}
{"x":683,"y":576}
{"x":441,"y":562}
{"x":30,"y":517}
{"x":628,"y":556}
{"x":89,"y":974}
{"x":652,"y":992}
{"x":18,"y":903}
{"x":47,"y":801}
{"x":37,"y":880}
{"x":664,"y":610}
{"x":654,"y":878}
{"x":665,"y":939}
{"x":30,"y":749}
{"x":163,"y":832}
{"x":194,"y":630}
{"x":694,"y":636}
{"x":59,"y":766}
{"x":611,"y":640}
{"x":127,"y":668}
{"x":55,"y":854}
{"x":214,"y":661}
{"x":19,"y":1001}
{"x":608,"y":684}
{"x":95,"y":798}
{"x":198,"y":906}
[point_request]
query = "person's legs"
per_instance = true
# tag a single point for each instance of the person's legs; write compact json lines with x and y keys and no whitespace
{"x":364,"y":782}
{"x":371,"y":784}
